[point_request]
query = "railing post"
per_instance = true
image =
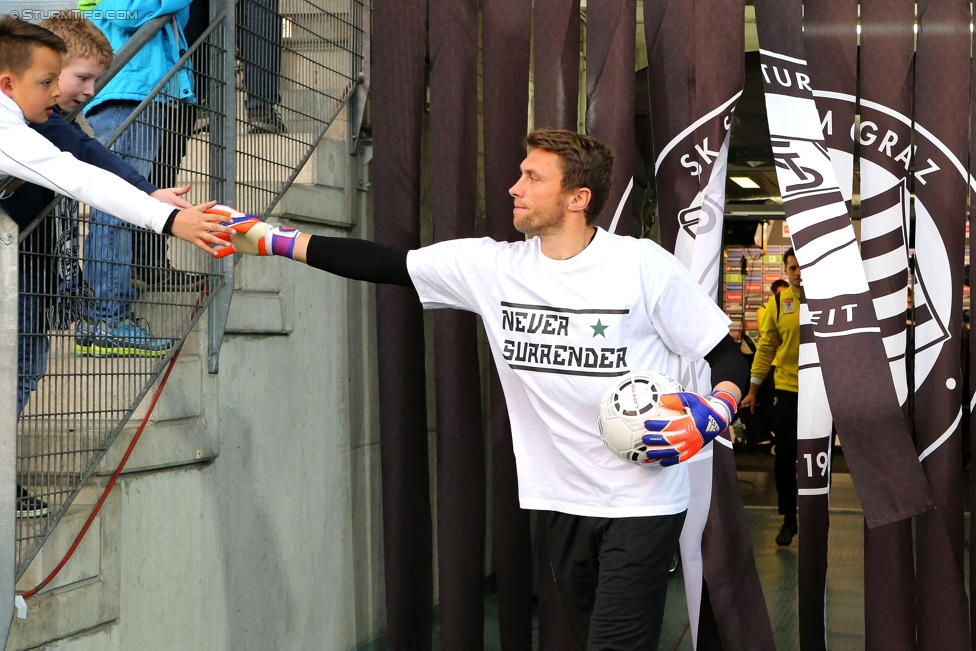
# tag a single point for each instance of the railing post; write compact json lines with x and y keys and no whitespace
{"x":8,"y":417}
{"x":222,"y":158}
{"x":360,"y":71}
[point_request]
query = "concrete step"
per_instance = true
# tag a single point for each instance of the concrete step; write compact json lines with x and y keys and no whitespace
{"x":79,"y":392}
{"x":85,"y":593}
{"x":83,"y":564}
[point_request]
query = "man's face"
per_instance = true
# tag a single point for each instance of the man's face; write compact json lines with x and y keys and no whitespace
{"x":77,"y":82}
{"x":792,"y":272}
{"x":36,"y":90}
{"x":540,"y":202}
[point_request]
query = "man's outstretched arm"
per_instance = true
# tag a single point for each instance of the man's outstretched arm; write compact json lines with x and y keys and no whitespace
{"x":357,"y":259}
{"x":347,"y":257}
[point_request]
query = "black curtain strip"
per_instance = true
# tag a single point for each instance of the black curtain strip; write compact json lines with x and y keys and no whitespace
{"x":506,"y":34}
{"x":557,"y":63}
{"x":453,"y":37}
{"x":886,"y":86}
{"x":610,"y":55}
{"x":941,"y":108}
{"x":399,"y":49}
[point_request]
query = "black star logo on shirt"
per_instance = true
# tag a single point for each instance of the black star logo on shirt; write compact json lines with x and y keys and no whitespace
{"x":599,"y":328}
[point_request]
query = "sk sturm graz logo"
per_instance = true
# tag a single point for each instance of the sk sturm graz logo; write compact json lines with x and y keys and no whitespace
{"x":701,"y":155}
{"x":703,"y":216}
{"x":811,"y":179}
{"x":882,"y":151}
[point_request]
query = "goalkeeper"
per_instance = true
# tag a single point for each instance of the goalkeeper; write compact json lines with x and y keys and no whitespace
{"x":561,"y":324}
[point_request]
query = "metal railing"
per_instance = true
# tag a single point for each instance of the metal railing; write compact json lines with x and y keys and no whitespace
{"x":319,"y":57}
{"x":103,"y":305}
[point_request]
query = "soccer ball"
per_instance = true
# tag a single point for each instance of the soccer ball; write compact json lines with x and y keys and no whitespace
{"x":630,"y":400}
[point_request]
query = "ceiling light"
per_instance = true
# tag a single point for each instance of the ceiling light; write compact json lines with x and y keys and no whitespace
{"x":744,"y":182}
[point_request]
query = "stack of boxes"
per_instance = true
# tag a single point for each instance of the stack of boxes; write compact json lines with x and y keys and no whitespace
{"x":965,"y":289}
{"x":747,"y":273}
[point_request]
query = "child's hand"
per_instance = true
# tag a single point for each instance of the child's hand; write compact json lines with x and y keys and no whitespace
{"x":199,"y":228}
{"x":173,"y":196}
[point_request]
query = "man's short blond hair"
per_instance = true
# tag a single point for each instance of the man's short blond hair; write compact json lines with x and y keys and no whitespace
{"x":84,"y":40}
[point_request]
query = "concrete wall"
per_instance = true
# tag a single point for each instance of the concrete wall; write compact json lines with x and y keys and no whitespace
{"x":249,"y":516}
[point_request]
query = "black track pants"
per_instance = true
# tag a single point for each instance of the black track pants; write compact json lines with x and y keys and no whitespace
{"x":612,"y":575}
{"x":784,"y":426}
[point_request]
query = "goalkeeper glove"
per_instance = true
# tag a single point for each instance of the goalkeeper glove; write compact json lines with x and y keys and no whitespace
{"x":252,"y":236}
{"x":680,"y":438}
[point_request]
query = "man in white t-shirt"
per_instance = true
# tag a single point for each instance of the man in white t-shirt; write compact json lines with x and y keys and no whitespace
{"x":565,"y":313}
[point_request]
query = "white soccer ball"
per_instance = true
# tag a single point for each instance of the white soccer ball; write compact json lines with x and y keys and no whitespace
{"x":630,"y":400}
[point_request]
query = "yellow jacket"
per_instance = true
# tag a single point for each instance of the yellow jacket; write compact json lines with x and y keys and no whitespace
{"x":779,"y":340}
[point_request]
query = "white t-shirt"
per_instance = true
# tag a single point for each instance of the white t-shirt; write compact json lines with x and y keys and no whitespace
{"x":560,"y":330}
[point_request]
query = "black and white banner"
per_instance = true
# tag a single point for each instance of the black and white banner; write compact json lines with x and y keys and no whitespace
{"x":972,"y":341}
{"x":851,"y":353}
{"x":691,"y":128}
{"x":830,"y":37}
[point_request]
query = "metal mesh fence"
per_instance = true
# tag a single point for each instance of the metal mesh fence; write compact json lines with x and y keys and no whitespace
{"x":104,"y":305}
{"x":291,"y":82}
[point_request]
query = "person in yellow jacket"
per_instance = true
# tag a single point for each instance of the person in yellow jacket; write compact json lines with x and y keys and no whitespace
{"x":775,"y":287}
{"x":779,"y":340}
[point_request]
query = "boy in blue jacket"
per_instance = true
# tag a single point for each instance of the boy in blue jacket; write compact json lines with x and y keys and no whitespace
{"x":51,"y":288}
{"x":120,"y":261}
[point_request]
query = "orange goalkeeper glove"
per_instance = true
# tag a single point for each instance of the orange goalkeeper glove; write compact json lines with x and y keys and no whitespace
{"x":700,"y":420}
{"x":252,"y":236}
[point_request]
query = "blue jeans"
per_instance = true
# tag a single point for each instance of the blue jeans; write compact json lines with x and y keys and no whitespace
{"x":108,"y":247}
{"x":33,"y":344}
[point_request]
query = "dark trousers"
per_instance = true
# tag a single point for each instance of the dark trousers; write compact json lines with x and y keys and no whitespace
{"x":612,"y":575}
{"x":259,"y":48}
{"x":784,"y":426}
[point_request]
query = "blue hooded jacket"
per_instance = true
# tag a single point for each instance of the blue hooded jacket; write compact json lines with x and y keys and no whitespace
{"x":119,"y":20}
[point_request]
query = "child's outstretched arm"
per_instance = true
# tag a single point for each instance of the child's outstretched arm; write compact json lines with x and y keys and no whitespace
{"x":27,"y":155}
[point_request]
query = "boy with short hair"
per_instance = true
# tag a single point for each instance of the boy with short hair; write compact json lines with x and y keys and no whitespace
{"x":30,"y":63}
{"x":121,"y":262}
{"x":30,"y":69}
{"x":89,"y":55}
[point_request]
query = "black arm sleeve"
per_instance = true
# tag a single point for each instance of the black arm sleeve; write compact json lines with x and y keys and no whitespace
{"x":359,"y":260}
{"x":729,"y":364}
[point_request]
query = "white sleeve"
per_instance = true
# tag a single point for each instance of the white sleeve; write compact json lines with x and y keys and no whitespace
{"x":27,"y":155}
{"x":446,"y":274}
{"x":689,"y":321}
